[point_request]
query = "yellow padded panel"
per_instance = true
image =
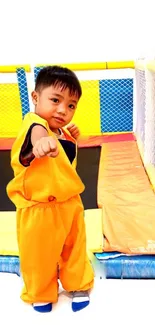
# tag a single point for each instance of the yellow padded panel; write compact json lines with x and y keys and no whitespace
{"x":10,"y":110}
{"x":8,"y":240}
{"x":94,"y":230}
{"x":87,"y":116}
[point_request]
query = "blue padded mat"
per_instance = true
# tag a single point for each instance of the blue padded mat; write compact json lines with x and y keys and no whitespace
{"x":116,"y":265}
{"x":9,"y":264}
{"x":121,"y":266}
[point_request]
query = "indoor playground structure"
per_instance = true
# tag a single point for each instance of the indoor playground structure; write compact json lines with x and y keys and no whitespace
{"x":116,"y":161}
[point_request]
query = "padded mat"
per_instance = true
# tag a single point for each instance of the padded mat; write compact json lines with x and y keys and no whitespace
{"x":121,"y":266}
{"x":125,"y":267}
{"x":8,"y":240}
{"x":94,"y":230}
{"x":9,"y":264}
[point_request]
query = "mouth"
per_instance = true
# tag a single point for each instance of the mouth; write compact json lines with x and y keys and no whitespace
{"x":59,"y":119}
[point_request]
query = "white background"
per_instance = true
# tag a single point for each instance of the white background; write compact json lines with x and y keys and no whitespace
{"x":60,"y":31}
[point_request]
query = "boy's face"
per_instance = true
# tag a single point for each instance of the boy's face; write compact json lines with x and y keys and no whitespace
{"x":55,"y":105}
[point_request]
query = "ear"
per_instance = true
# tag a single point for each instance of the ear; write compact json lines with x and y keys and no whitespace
{"x":34,"y":96}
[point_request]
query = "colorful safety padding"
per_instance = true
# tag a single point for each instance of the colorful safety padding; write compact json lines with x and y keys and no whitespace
{"x":106,"y":105}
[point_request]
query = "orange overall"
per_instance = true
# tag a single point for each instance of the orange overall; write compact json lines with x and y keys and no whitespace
{"x":50,"y":221}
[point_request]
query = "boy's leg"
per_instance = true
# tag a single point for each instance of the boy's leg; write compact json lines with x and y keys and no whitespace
{"x":40,"y":239}
{"x":76,"y":273}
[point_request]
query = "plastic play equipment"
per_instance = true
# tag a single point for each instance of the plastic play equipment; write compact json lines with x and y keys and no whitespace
{"x":115,"y":161}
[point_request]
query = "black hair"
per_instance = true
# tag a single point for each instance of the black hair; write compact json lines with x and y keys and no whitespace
{"x":58,"y":76}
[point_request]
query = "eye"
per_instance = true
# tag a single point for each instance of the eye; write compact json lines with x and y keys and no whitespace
{"x":55,"y":100}
{"x":72,"y":106}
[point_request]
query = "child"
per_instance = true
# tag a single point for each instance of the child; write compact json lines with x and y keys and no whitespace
{"x":45,"y":191}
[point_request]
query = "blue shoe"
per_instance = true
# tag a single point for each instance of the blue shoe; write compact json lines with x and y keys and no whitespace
{"x":42,"y":307}
{"x":80,"y":300}
{"x":77,"y":306}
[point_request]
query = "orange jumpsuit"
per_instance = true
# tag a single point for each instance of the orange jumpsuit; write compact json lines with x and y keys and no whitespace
{"x":50,"y":219}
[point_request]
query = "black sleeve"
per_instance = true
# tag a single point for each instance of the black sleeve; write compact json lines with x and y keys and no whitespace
{"x":26,"y":155}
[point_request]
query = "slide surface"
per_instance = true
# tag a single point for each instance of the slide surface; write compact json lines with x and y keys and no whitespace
{"x":127,"y":200}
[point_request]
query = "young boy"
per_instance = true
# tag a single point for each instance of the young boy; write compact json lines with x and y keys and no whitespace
{"x":45,"y":191}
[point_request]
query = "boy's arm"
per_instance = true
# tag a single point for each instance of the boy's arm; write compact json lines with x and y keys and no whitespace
{"x":43,"y":144}
{"x":37,"y":133}
{"x":37,"y":144}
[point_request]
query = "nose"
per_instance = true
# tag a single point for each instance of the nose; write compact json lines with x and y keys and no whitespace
{"x":61,"y":109}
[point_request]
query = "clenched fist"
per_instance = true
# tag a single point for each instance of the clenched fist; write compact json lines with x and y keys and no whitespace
{"x":74,"y":131}
{"x":46,"y":146}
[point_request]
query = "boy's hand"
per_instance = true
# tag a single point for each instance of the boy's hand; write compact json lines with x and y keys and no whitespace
{"x":46,"y":146}
{"x":74,"y":131}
